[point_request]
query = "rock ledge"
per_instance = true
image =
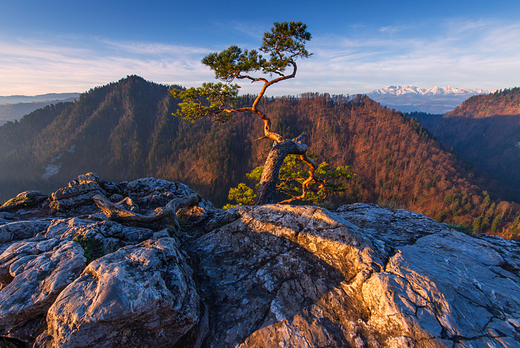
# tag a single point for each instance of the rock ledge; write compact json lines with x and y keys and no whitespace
{"x":74,"y":275}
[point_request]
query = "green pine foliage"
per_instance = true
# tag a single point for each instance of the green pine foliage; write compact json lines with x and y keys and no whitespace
{"x":292,"y":174}
{"x":242,"y":195}
{"x":209,"y":99}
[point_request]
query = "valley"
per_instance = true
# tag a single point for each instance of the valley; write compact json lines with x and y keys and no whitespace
{"x":125,"y":130}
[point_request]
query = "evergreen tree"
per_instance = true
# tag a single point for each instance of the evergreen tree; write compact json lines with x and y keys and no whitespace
{"x":285,"y":43}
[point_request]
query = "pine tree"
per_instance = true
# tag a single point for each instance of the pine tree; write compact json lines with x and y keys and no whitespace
{"x":285,"y":43}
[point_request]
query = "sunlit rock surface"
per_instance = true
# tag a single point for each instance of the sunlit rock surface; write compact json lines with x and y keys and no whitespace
{"x":269,"y":276}
{"x":140,"y":295}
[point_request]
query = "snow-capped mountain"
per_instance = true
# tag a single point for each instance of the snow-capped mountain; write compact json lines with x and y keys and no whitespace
{"x":399,"y":90}
{"x":436,"y":100}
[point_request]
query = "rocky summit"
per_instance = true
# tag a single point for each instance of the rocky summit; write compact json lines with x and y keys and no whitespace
{"x":149,"y":263}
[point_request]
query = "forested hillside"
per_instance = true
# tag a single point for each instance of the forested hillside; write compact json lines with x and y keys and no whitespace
{"x":502,"y":102}
{"x":107,"y":130}
{"x":486,"y":131}
{"x":125,"y":130}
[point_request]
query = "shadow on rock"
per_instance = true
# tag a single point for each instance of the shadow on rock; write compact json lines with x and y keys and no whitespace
{"x":264,"y":276}
{"x":274,"y":275}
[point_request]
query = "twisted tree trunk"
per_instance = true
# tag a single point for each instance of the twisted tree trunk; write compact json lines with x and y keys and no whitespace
{"x":272,"y":166}
{"x":157,"y":220}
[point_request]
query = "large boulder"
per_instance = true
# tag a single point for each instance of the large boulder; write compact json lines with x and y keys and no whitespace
{"x":306,"y":277}
{"x":43,"y":253}
{"x":138,"y":296}
{"x":439,"y":286}
{"x":32,"y":275}
{"x":273,"y":277}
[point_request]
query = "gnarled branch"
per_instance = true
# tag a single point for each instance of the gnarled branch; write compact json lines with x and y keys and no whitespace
{"x":157,"y":220}
{"x":307,"y":182}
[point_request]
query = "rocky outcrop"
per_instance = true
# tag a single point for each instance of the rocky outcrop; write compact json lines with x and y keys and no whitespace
{"x":22,"y":200}
{"x":141,"y":296}
{"x":33,"y":274}
{"x":439,"y":286}
{"x":264,"y":276}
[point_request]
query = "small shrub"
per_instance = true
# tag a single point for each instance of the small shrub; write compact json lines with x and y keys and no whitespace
{"x":462,"y":228}
{"x":93,"y":249}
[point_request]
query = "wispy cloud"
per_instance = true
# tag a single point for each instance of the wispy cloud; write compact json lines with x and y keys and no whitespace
{"x":395,"y":28}
{"x":457,"y":52}
{"x":154,"y":48}
{"x":42,"y":67}
{"x":474,"y":54}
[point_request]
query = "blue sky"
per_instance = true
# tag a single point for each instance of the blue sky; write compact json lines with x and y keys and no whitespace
{"x":72,"y":46}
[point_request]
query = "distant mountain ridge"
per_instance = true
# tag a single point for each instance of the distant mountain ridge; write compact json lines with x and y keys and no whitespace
{"x":15,"y":106}
{"x":448,"y":90}
{"x":15,"y":99}
{"x":436,"y":100}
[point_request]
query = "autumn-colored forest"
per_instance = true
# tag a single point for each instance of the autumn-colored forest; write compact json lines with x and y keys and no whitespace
{"x":502,"y":102}
{"x":485,"y":130}
{"x":125,"y":130}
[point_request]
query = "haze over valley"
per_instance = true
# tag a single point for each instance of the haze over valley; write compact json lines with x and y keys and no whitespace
{"x":15,"y":106}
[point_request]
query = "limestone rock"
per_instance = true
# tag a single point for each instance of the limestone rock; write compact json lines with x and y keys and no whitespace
{"x":44,"y":250}
{"x":139,"y":296}
{"x":6,"y":217}
{"x":276,"y":276}
{"x":305,"y":277}
{"x":32,"y":274}
{"x":440,"y":285}
{"x":22,"y":200}
{"x":153,"y":193}
{"x":112,"y":235}
{"x":268,"y":276}
{"x":19,"y":230}
{"x":78,"y":193}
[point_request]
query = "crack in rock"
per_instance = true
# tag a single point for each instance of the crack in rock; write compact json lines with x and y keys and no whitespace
{"x":293,"y":276}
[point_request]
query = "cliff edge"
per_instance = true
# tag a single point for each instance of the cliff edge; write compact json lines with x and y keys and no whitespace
{"x":149,"y":263}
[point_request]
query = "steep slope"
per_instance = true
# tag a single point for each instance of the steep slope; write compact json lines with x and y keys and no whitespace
{"x":486,"y":131}
{"x":503,"y":102}
{"x":396,"y":161}
{"x":125,"y":130}
{"x":109,"y":129}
